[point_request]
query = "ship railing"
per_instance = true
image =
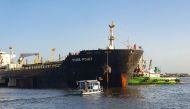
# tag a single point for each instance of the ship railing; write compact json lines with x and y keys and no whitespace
{"x":76,"y":53}
{"x":36,"y":67}
{"x":135,"y":47}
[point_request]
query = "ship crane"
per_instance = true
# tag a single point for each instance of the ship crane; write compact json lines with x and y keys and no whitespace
{"x":23,"y":55}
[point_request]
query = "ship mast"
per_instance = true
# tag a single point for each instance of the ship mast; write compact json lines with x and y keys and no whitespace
{"x":11,"y":53}
{"x":111,"y":37}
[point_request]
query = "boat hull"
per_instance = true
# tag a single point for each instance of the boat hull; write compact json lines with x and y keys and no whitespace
{"x":90,"y":65}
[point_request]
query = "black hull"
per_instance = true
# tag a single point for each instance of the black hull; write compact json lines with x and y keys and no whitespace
{"x":90,"y":65}
{"x":36,"y":76}
{"x":86,"y":65}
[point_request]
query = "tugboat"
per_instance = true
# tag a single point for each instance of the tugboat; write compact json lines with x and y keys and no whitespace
{"x":144,"y":75}
{"x":86,"y":87}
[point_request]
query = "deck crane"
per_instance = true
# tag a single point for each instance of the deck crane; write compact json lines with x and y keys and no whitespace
{"x":150,"y":64}
{"x":23,"y":55}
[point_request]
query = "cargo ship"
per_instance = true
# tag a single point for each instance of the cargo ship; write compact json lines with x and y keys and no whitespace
{"x":112,"y":67}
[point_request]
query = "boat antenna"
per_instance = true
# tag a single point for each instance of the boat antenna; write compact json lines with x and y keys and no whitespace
{"x":11,"y":52}
{"x":111,"y":37}
{"x":150,"y":64}
{"x":128,"y":43}
{"x":52,"y":54}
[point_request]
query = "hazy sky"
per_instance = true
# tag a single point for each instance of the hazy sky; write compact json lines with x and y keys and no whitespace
{"x":161,"y":27}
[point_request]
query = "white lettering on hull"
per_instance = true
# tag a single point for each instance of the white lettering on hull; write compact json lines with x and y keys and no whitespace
{"x":82,"y":59}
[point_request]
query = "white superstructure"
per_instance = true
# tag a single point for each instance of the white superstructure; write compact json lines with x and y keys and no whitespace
{"x":6,"y":59}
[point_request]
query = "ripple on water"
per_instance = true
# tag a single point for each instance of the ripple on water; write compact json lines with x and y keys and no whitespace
{"x":134,"y":97}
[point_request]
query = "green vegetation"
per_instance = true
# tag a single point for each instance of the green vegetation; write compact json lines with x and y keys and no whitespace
{"x":153,"y":80}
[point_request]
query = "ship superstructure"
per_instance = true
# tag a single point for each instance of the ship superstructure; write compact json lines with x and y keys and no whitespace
{"x":6,"y":60}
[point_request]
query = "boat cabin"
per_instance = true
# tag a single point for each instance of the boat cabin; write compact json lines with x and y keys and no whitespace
{"x":89,"y":86}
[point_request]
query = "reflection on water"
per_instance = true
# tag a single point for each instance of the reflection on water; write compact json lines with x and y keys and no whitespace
{"x":132,"y":97}
{"x":130,"y":91}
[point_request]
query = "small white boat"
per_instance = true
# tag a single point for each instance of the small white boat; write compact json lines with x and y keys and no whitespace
{"x":86,"y":87}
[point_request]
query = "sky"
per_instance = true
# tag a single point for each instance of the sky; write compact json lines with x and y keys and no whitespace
{"x":161,"y":27}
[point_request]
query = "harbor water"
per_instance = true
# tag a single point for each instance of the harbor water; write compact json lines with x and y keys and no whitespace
{"x":176,"y":96}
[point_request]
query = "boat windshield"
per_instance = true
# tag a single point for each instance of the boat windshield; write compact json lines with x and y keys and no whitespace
{"x":95,"y":86}
{"x":89,"y":85}
{"x":82,"y":85}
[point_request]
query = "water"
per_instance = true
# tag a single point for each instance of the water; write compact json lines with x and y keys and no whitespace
{"x":134,"y":97}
